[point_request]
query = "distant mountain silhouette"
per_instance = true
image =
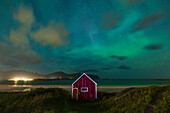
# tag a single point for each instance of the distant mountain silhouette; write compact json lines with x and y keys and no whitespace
{"x":62,"y":75}
{"x":5,"y":75}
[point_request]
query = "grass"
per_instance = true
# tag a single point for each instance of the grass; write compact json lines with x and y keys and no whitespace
{"x":153,"y":99}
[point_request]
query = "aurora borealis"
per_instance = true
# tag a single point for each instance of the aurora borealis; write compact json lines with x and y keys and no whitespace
{"x":121,"y":39}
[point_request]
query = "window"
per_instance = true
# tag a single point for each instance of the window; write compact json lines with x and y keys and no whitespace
{"x":84,"y":89}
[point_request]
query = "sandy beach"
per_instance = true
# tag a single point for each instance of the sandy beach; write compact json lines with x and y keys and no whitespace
{"x":66,"y":87}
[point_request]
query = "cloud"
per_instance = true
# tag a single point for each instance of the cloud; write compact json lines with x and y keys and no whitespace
{"x":110,"y":20}
{"x":122,"y":57}
{"x":124,"y":67}
{"x":4,"y":49}
{"x":153,"y":47}
{"x":17,"y":50}
{"x":27,"y":56}
{"x":80,"y":70}
{"x":129,"y":3}
{"x":133,"y":2}
{"x":55,"y":34}
{"x":149,"y":20}
{"x":52,"y":60}
{"x":118,"y":57}
{"x":24,"y":15}
{"x":20,"y":59}
{"x":9,"y":62}
{"x":69,"y":49}
{"x":113,"y":56}
{"x":107,"y":68}
{"x":13,"y":56}
{"x":19,"y":38}
{"x":90,"y":70}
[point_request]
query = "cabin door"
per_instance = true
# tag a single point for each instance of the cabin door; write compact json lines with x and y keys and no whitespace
{"x":75,"y":93}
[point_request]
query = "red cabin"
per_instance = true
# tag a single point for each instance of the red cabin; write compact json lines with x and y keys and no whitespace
{"x":84,"y":88}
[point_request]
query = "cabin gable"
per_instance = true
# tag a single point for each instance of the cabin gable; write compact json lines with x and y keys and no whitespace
{"x":84,"y":88}
{"x":84,"y":74}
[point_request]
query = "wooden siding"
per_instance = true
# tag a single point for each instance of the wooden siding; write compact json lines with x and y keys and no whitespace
{"x":84,"y":81}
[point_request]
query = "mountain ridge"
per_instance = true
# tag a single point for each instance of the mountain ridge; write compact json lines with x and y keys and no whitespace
{"x":6,"y":75}
{"x":71,"y":76}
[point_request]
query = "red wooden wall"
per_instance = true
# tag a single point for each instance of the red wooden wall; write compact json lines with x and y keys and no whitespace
{"x":84,"y":81}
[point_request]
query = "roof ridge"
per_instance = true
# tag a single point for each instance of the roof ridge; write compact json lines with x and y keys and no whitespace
{"x":81,"y":77}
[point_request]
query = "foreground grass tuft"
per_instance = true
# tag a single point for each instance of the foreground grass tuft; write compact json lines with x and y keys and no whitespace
{"x":153,"y":99}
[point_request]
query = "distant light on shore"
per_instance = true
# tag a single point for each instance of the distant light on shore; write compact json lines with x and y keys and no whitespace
{"x":21,"y":79}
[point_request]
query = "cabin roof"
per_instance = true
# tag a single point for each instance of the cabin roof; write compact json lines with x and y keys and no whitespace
{"x":82,"y":76}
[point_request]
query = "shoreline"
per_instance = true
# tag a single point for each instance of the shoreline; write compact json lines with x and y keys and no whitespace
{"x":17,"y":88}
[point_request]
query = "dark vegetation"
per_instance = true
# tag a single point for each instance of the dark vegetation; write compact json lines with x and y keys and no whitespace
{"x":153,"y":99}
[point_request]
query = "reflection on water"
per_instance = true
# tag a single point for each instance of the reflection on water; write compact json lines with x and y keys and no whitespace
{"x":66,"y":84}
{"x":99,"y":82}
{"x":16,"y":88}
{"x":20,"y":90}
{"x":16,"y":80}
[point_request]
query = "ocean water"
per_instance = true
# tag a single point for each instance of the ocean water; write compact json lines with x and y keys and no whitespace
{"x":124,"y":82}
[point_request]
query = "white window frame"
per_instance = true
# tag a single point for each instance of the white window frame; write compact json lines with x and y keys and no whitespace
{"x":83,"y":88}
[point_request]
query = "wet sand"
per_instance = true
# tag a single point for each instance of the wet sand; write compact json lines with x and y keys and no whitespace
{"x":13,"y":88}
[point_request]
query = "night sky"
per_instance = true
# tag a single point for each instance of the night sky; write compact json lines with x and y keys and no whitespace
{"x":118,"y":39}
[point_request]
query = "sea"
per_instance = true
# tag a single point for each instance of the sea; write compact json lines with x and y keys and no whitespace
{"x":100,"y":82}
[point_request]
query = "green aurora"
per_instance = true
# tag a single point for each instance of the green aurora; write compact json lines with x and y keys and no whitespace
{"x":120,"y":39}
